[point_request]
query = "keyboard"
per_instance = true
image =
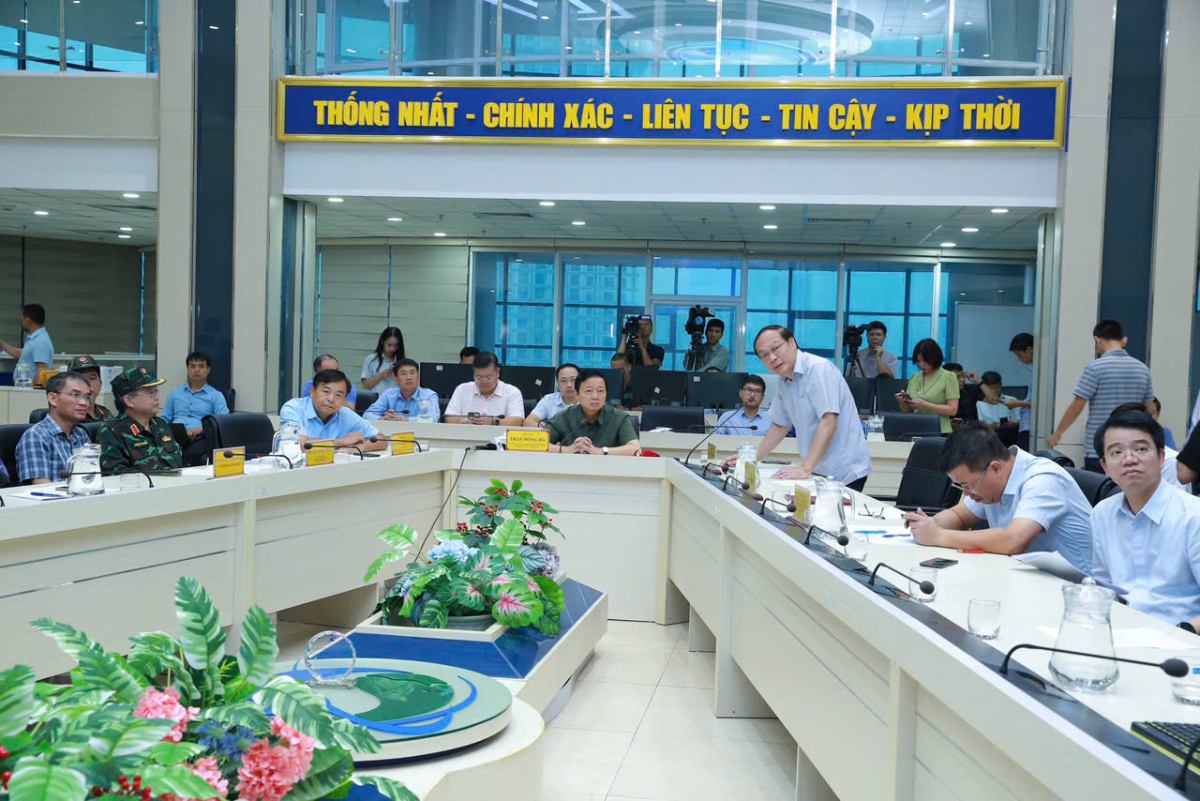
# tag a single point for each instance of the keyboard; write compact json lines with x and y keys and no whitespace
{"x":1173,"y":739}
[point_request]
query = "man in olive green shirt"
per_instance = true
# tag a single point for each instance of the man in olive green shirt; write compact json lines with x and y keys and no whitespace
{"x":592,"y":426}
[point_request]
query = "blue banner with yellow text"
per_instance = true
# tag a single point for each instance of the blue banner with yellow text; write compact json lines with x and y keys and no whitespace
{"x":831,"y":113}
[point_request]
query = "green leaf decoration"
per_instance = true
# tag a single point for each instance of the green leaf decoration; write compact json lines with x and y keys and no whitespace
{"x":434,"y":615}
{"x":200,"y":631}
{"x":382,"y":562}
{"x":508,"y":535}
{"x":244,"y":713}
{"x":516,"y":487}
{"x":552,"y":593}
{"x":352,"y":737}
{"x":177,"y":780}
{"x":174,"y":753}
{"x":331,"y":767}
{"x":70,"y":639}
{"x":399,"y":536}
{"x":101,"y":671}
{"x":259,"y":648}
{"x":449,"y":535}
{"x":531,"y":558}
{"x":517,"y":605}
{"x":547,"y":624}
{"x":466,"y":594}
{"x":129,"y":736}
{"x":16,"y":699}
{"x":390,"y":788}
{"x":154,"y":653}
{"x":299,"y":706}
{"x":35,"y":780}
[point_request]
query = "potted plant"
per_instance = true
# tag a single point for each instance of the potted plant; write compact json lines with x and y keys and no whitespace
{"x":176,"y":719}
{"x":497,"y":568}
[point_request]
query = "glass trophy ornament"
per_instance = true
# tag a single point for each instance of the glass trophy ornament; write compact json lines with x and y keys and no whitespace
{"x":337,"y":650}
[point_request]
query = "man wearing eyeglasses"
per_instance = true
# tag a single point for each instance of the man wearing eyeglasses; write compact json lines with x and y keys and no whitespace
{"x":739,"y":421}
{"x":1030,"y":503}
{"x":138,"y":438}
{"x":403,"y":401}
{"x":1146,"y":539}
{"x":45,"y":448}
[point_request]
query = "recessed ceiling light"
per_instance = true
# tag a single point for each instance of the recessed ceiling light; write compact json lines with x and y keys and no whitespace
{"x":546,"y":203}
{"x":336,"y":199}
{"x":130,"y":195}
{"x":41,"y":213}
{"x":351,"y":50}
{"x":543,"y":17}
{"x":125,"y":229}
{"x":395,"y":219}
{"x":770,"y":227}
{"x":968,"y":23}
{"x":122,"y":236}
{"x":946,"y":245}
{"x":999,"y":211}
{"x":139,"y":22}
{"x":985,"y":55}
{"x":23,"y":21}
{"x":970,"y":230}
{"x":678,"y":24}
{"x":213,"y":28}
{"x":578,"y":222}
{"x":439,"y":233}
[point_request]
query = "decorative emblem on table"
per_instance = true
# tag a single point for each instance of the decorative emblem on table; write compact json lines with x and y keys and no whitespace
{"x":411,"y":708}
{"x":329,"y":643}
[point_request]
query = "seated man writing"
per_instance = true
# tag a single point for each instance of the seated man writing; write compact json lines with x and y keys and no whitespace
{"x":1030,"y":503}
{"x":1146,"y":539}
{"x":592,"y":426}
{"x":323,"y":415}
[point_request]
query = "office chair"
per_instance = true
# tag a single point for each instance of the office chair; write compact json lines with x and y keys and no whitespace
{"x":922,"y":485}
{"x":677,"y":418}
{"x":38,"y":415}
{"x":251,"y":429}
{"x":885,"y":394}
{"x":1095,"y":486}
{"x":364,"y":400}
{"x":10,"y":435}
{"x":863,"y":392}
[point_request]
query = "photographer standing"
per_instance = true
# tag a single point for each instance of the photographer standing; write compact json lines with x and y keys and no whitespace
{"x":876,"y":361}
{"x":644,"y":351}
{"x":714,"y":355}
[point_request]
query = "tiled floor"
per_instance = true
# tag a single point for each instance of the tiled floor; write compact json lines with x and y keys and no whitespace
{"x":640,"y":727}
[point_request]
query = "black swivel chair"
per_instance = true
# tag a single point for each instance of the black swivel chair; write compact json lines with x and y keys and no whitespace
{"x":1095,"y":486}
{"x":885,"y":394}
{"x":38,"y":415}
{"x":922,"y":485}
{"x":10,"y":435}
{"x":863,"y":391}
{"x":230,"y":396}
{"x":251,"y":429}
{"x":677,"y":418}
{"x":364,"y":400}
{"x":529,"y":404}
{"x":903,"y":427}
{"x":92,"y":429}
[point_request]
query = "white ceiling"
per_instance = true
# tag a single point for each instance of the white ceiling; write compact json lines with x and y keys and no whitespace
{"x":903,"y":226}
{"x":83,"y":216}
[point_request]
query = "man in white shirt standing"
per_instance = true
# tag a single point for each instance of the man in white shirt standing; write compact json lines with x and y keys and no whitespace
{"x":815,"y":399}
{"x":487,"y":400}
{"x":1147,"y":539}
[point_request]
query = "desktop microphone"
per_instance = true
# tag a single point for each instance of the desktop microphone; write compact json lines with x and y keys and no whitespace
{"x":1174,"y":667}
{"x":487,"y":446}
{"x":308,"y":446}
{"x":791,"y":507}
{"x":742,"y":485}
{"x":291,"y":465}
{"x":383,"y":438}
{"x":134,"y":469}
{"x":842,"y":540}
{"x":706,"y":437}
{"x":926,"y":586}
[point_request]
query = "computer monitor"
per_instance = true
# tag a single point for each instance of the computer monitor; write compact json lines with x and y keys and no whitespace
{"x":863,"y":392}
{"x":654,"y":387}
{"x":444,"y":377}
{"x":534,"y":382}
{"x":715,"y":390}
{"x":615,"y":381}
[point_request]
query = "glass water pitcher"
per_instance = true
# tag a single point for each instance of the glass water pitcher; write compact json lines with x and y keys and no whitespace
{"x":1085,"y":627}
{"x":84,"y":469}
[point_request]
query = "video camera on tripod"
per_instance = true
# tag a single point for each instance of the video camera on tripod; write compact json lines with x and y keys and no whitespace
{"x":694,"y":327}
{"x":852,"y":339}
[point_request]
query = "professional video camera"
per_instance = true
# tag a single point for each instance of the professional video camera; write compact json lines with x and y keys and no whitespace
{"x":852,"y":339}
{"x":630,"y":331}
{"x":694,"y":327}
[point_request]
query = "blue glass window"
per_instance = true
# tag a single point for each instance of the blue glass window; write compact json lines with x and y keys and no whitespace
{"x":798,"y":293}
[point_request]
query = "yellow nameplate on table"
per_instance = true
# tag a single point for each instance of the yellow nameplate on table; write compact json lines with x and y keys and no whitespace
{"x":320,"y":453}
{"x":404,"y":442}
{"x":537,"y":440}
{"x":233,"y":464}
{"x":800,"y":498}
{"x":44,"y":374}
{"x":752,"y":475}
{"x":712,"y":451}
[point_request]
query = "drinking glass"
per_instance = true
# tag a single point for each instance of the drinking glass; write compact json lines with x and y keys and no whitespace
{"x":856,"y":548}
{"x":131,"y":481}
{"x":920,"y":574}
{"x":983,"y":618}
{"x":1186,"y":689}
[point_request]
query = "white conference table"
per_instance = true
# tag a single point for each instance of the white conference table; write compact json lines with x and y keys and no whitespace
{"x":886,"y":698}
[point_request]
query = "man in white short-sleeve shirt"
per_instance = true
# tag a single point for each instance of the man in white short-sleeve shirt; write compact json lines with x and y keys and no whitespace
{"x":487,"y":400}
{"x":1030,"y":503}
{"x":814,"y":399}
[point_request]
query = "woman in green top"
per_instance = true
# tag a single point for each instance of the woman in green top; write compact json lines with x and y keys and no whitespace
{"x":933,"y":390}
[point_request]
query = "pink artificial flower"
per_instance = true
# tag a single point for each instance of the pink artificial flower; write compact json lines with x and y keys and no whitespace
{"x":208,"y":769}
{"x":268,"y":774}
{"x":164,"y":705}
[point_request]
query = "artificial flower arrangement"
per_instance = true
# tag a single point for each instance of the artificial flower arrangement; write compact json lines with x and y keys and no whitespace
{"x":499,"y":563}
{"x":176,"y":719}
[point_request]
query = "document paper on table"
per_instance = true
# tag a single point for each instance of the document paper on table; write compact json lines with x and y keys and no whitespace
{"x":1056,"y":564}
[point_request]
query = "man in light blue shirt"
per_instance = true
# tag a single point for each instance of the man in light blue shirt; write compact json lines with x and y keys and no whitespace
{"x":550,"y":405}
{"x":403,"y":401}
{"x":191,"y":402}
{"x":1030,"y":503}
{"x":327,"y":362}
{"x":739,"y":421}
{"x":815,"y":400}
{"x":38,"y":350}
{"x":322,"y":414}
{"x":1147,"y":539}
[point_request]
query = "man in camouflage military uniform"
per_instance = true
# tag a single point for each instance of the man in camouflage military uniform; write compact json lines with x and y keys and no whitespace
{"x":138,"y":438}
{"x":87,"y":366}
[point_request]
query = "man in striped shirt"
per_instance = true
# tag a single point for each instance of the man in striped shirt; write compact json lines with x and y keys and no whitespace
{"x":1113,"y":378}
